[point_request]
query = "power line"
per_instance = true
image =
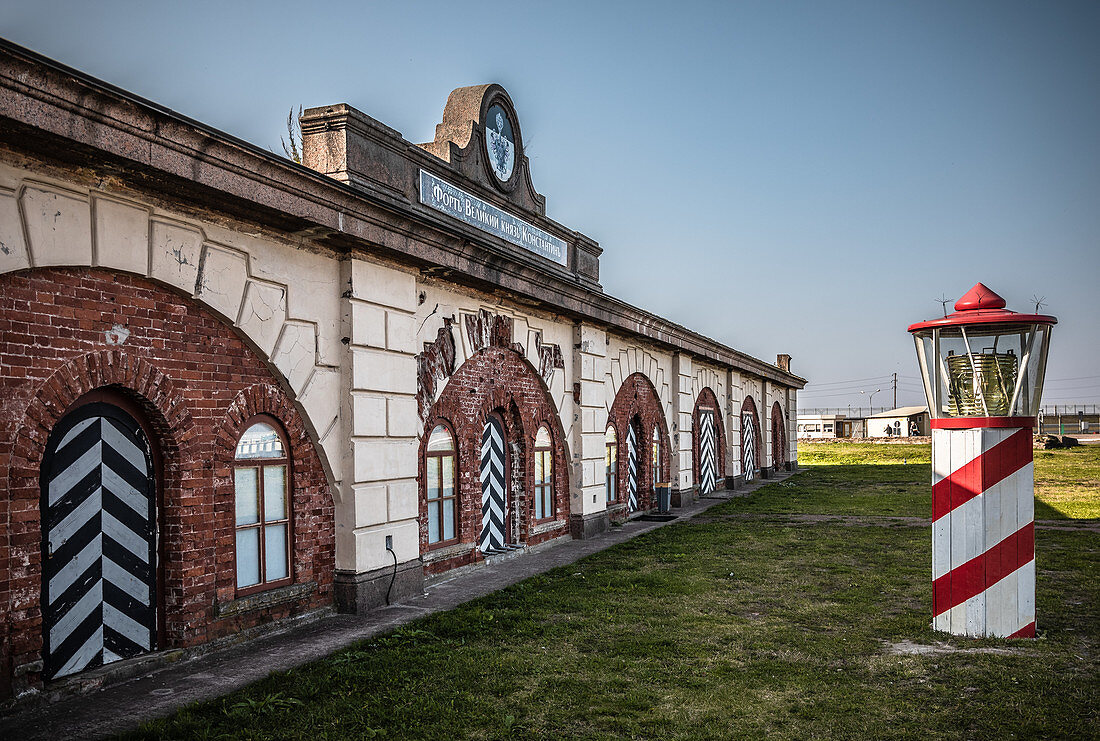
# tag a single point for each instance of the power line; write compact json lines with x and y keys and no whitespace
{"x":851,"y":381}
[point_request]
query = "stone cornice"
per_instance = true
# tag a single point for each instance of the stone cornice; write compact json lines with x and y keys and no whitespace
{"x":60,"y":114}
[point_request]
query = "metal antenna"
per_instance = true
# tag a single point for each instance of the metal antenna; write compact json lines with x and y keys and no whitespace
{"x":1038,"y":302}
{"x":944,"y":300}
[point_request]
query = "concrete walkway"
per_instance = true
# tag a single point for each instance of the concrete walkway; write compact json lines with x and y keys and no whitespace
{"x":124,"y":705}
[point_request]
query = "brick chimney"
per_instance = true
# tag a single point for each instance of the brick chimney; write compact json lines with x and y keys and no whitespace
{"x":784,"y":362}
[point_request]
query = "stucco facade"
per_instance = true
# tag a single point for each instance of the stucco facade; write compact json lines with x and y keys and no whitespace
{"x":206,"y":284}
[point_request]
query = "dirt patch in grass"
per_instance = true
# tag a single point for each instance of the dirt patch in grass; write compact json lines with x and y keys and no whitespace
{"x":936,"y":648}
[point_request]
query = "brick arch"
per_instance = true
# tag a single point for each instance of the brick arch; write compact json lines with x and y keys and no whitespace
{"x":312,"y":508}
{"x":495,"y":380}
{"x":183,"y":366}
{"x":165,"y":411}
{"x":749,"y":407}
{"x":637,"y":401}
{"x":168,"y":256}
{"x":708,"y":399}
{"x":779,"y":438}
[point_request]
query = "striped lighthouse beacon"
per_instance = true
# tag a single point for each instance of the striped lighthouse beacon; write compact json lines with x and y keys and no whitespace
{"x":983,"y":369}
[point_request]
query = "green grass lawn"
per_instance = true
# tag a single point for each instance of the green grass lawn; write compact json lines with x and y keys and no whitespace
{"x":1067,"y":483}
{"x":723,"y":627}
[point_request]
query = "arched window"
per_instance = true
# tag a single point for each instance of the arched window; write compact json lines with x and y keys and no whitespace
{"x":611,"y":462}
{"x":656,"y":458}
{"x":544,"y":490}
{"x":440,"y":485}
{"x":261,"y":477}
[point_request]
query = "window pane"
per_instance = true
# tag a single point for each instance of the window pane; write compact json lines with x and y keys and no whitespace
{"x":542,"y":438}
{"x":548,"y":502}
{"x":440,"y":440}
{"x":260,"y":441}
{"x":248,"y":557}
{"x":274,"y":493}
{"x":448,"y":476}
{"x":433,"y":477}
{"x":448,"y":519}
{"x":538,"y":467}
{"x":275,"y":552}
{"x":248,"y":507}
{"x":433,"y":522}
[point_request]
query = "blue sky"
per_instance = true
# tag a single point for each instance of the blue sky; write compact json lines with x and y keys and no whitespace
{"x":799,"y":177}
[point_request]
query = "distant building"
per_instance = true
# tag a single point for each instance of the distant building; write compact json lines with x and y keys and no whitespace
{"x":900,"y":422}
{"x":829,"y":425}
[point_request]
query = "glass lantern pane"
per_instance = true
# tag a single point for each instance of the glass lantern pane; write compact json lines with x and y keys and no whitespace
{"x":274,"y":493}
{"x":247,"y":495}
{"x":248,"y":557}
{"x":1038,"y":369}
{"x":982,"y":370}
{"x":275,"y":549}
{"x":260,"y":441}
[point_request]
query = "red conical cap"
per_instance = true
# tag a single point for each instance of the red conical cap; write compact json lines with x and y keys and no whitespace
{"x":979,"y":297}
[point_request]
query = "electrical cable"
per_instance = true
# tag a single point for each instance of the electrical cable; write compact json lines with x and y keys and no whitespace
{"x":393,"y":578}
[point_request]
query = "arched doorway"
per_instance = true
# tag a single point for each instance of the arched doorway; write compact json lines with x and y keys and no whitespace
{"x":779,"y":438}
{"x":498,"y":479}
{"x":708,"y":443}
{"x":633,"y":435}
{"x":750,"y":439}
{"x":494,"y":499}
{"x":99,"y":524}
{"x":707,"y":459}
{"x":637,"y":448}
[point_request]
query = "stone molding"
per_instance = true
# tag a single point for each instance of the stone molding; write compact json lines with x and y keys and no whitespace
{"x":72,"y":118}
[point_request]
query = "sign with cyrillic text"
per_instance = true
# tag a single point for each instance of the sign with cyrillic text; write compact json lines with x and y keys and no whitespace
{"x":469,"y":209}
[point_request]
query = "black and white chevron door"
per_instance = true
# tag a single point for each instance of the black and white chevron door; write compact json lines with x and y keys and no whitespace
{"x":748,"y":445}
{"x":98,"y":549}
{"x":708,"y":466}
{"x":632,"y":469}
{"x":492,"y":486}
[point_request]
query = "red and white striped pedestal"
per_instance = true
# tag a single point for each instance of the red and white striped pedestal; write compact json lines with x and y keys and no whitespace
{"x":983,"y":532}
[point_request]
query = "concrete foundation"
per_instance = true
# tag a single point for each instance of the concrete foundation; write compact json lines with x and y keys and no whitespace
{"x":359,"y":593}
{"x":583,"y":527}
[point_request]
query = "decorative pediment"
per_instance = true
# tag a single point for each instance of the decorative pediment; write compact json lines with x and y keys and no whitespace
{"x":480,"y":137}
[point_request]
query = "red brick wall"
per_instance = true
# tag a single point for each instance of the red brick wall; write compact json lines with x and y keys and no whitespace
{"x":707,"y":399}
{"x":637,"y":401}
{"x":500,"y":380}
{"x":195,"y":381}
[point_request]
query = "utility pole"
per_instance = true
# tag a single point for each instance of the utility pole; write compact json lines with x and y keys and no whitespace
{"x":895,"y":391}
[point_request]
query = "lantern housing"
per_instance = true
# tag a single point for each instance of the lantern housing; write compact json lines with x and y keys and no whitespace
{"x":983,"y":360}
